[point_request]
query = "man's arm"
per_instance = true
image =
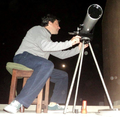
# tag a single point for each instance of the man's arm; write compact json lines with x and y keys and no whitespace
{"x":49,"y":45}
{"x":66,"y":53}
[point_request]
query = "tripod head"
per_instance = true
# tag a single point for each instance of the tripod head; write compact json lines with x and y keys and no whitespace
{"x":86,"y":37}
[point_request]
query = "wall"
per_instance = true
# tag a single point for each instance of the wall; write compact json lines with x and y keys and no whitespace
{"x":111,"y":48}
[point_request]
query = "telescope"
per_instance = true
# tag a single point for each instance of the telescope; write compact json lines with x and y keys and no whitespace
{"x":94,"y":13}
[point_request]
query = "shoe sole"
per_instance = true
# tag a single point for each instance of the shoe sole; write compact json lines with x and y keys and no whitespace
{"x":9,"y":110}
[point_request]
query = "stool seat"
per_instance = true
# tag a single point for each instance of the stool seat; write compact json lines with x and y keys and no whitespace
{"x":19,"y":71}
{"x":10,"y":66}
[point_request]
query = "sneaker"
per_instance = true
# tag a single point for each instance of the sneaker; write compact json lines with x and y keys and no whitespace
{"x":55,"y":107}
{"x":13,"y":107}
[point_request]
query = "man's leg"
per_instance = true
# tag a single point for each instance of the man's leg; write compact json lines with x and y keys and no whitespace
{"x":42,"y":71}
{"x":60,"y":78}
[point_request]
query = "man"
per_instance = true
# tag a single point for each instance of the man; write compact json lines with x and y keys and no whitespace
{"x":34,"y":52}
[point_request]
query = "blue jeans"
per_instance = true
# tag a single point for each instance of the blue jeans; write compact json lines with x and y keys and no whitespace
{"x":43,"y":69}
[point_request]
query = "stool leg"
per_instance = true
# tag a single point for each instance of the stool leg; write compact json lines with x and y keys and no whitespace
{"x":39,"y":102}
{"x":24,"y":81}
{"x":13,"y":86}
{"x":46,"y":95}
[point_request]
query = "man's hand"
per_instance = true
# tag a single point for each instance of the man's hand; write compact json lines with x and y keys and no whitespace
{"x":85,"y":46}
{"x":75,"y":40}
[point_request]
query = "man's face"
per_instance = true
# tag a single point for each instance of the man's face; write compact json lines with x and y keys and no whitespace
{"x":54,"y":27}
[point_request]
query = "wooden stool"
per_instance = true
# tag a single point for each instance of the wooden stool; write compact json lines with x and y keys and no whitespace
{"x":19,"y":71}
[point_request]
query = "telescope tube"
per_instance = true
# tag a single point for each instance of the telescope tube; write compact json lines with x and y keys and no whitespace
{"x":94,"y":13}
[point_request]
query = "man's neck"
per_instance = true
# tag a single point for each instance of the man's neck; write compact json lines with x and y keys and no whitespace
{"x":48,"y":29}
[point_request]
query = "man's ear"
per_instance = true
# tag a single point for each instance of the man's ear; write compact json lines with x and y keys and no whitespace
{"x":49,"y":23}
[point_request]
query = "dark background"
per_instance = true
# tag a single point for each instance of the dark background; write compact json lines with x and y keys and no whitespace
{"x":18,"y":16}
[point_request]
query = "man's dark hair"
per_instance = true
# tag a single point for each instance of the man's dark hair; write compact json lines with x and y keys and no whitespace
{"x":47,"y":18}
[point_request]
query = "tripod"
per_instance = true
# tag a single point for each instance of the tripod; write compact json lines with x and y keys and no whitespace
{"x":79,"y":64}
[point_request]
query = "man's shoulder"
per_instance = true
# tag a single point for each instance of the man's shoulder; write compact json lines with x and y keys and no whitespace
{"x":37,"y":27}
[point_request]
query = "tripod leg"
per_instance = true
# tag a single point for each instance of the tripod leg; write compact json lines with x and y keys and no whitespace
{"x":73,"y":80}
{"x":81,"y":60}
{"x":106,"y":91}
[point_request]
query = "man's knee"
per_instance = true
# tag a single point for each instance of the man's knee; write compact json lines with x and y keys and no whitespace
{"x":64,"y":75}
{"x":49,"y":64}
